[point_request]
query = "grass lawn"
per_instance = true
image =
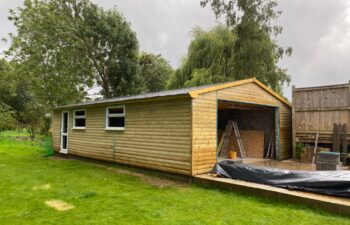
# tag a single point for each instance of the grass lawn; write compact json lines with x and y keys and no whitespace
{"x":116,"y":195}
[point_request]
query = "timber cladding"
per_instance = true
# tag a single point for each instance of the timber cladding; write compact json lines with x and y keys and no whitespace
{"x":204,"y":113}
{"x":316,"y":109}
{"x":157,"y":135}
{"x":175,"y":133}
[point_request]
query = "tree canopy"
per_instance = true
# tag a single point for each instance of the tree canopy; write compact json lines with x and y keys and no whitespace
{"x":256,"y":50}
{"x":69,"y":45}
{"x":154,"y":71}
{"x":209,"y":59}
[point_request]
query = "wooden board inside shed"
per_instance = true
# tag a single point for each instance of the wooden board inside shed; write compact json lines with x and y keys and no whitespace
{"x":253,"y":142}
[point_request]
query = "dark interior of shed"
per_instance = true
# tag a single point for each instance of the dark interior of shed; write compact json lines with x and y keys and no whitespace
{"x":256,"y":124}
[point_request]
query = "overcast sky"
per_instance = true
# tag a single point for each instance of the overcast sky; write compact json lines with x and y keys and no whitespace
{"x":318,"y":32}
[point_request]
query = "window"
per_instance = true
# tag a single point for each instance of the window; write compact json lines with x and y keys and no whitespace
{"x":115,"y":118}
{"x":79,"y":119}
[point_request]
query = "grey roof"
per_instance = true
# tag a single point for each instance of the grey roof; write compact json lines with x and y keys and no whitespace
{"x":182,"y":91}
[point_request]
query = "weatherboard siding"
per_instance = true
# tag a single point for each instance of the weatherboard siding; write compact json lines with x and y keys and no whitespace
{"x":55,"y":129}
{"x":204,"y":121}
{"x":157,"y":135}
{"x":174,"y":134}
{"x":204,"y":110}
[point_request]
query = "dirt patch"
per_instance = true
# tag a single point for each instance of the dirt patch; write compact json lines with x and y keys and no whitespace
{"x":42,"y":187}
{"x":59,"y":205}
{"x":152,"y":180}
{"x":20,"y":138}
{"x":155,"y":181}
{"x":58,"y":157}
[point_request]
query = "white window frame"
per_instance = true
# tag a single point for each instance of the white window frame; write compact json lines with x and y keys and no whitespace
{"x":79,"y":117}
{"x":114,"y":115}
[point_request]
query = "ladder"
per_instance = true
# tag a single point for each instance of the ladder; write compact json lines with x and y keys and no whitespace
{"x":239,"y":139}
{"x":225,"y":139}
{"x":223,"y":150}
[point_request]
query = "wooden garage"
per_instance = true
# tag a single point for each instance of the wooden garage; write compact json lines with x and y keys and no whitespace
{"x":175,"y":131}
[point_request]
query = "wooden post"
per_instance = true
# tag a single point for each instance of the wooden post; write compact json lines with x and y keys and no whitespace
{"x":344,"y":139}
{"x":293,"y":123}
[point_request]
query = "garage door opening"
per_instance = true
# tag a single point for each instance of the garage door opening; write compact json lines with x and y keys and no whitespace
{"x":257,"y":125}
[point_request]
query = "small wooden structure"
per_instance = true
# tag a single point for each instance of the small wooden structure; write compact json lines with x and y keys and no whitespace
{"x":173,"y":131}
{"x":317,"y":109}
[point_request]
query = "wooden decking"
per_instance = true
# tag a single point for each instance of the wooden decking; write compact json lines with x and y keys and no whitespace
{"x":333,"y":204}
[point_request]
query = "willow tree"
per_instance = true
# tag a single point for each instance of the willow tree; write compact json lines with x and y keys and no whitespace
{"x":257,"y":52}
{"x":210,"y":59}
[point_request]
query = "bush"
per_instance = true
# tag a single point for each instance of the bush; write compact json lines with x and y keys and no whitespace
{"x":7,"y":121}
{"x":299,"y":149}
{"x":47,"y":146}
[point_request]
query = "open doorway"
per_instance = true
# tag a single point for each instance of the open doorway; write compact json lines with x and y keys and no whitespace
{"x":258,"y":127}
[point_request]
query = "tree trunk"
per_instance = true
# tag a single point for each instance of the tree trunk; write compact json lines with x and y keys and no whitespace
{"x":31,"y":133}
{"x":106,"y":91}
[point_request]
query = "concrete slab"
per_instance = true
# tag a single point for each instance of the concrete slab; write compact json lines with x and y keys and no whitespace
{"x":336,"y":205}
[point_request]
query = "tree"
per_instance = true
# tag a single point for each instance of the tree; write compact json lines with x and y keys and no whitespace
{"x":154,"y":71}
{"x":7,"y":115}
{"x":209,"y":59}
{"x":18,"y":106}
{"x":32,"y":117}
{"x":68,"y":45}
{"x":257,"y":53}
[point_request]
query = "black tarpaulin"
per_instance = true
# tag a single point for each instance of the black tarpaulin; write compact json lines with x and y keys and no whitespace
{"x":326,"y":182}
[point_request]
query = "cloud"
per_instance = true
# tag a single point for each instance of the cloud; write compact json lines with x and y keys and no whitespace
{"x":163,"y":26}
{"x":318,"y":32}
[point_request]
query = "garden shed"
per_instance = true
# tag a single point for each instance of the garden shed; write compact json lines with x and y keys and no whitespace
{"x":175,"y":131}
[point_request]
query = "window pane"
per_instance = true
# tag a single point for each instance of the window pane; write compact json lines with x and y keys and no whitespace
{"x":65,"y":122}
{"x":64,"y":142}
{"x":79,"y":123}
{"x":80,"y":113}
{"x":116,"y":121}
{"x":116,"y":110}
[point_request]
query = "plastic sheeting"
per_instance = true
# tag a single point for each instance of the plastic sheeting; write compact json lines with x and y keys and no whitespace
{"x":325,"y":182}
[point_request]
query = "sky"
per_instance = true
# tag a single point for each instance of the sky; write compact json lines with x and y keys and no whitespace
{"x":318,"y":32}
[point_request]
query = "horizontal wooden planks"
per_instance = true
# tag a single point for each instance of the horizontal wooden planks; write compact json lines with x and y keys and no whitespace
{"x":157,"y":135}
{"x":55,"y":129}
{"x":204,"y":110}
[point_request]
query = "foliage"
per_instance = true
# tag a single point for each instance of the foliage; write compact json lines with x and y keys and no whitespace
{"x":106,"y":194}
{"x":67,"y":45}
{"x":32,"y":117}
{"x":209,"y":59}
{"x":154,"y":71}
{"x":256,"y":51}
{"x":20,"y":104}
{"x":299,"y":148}
{"x":7,"y":90}
{"x":7,"y":117}
{"x":47,"y":146}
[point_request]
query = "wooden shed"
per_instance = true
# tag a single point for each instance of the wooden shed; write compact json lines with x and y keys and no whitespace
{"x":174,"y":131}
{"x":316,"y":109}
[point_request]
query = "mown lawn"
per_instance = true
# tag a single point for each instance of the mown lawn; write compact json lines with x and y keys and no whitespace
{"x":116,"y":195}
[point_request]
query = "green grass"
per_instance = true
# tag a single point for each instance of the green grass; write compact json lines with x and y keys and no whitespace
{"x":103,"y":196}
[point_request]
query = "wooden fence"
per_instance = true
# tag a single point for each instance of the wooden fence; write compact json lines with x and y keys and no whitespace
{"x":316,"y":109}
